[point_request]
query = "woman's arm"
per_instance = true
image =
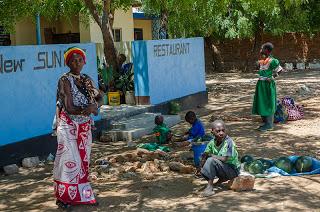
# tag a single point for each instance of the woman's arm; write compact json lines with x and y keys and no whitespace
{"x":68,"y":103}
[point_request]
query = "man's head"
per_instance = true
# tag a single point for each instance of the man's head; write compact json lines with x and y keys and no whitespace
{"x":158,"y":120}
{"x":219,"y":130}
{"x":121,"y":59}
{"x":266,"y":49}
{"x":190,"y":117}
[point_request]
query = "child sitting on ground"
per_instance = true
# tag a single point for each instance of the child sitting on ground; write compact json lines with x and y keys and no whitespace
{"x":162,"y":132}
{"x":196,"y":130}
{"x":220,"y":158}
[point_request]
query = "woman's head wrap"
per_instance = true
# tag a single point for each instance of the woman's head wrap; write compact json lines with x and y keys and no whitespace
{"x":74,"y":50}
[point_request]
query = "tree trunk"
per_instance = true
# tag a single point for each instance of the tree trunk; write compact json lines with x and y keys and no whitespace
{"x":163,"y":31}
{"x":257,"y":42}
{"x":105,"y":23}
{"x":216,"y":55}
{"x":110,"y":50}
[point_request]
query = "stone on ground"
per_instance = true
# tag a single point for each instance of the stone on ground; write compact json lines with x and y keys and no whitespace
{"x":242,"y":183}
{"x":93,"y":176}
{"x":11,"y":169}
{"x":301,"y":66}
{"x":175,"y":166}
{"x":187,"y":170}
{"x":103,"y":168}
{"x":129,"y":175}
{"x":149,"y":167}
{"x":164,"y":167}
{"x":288,"y":66}
{"x":314,"y":65}
{"x":106,"y":137}
{"x":137,"y":165}
{"x":30,"y":162}
{"x":181,"y":168}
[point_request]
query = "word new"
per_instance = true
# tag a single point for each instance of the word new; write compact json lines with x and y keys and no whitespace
{"x":8,"y":66}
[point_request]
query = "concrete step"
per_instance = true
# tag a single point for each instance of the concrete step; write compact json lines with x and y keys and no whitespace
{"x":140,"y":127}
{"x":122,"y":111}
{"x":144,"y":119}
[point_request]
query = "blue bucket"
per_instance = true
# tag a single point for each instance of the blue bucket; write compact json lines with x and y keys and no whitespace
{"x":198,"y":149}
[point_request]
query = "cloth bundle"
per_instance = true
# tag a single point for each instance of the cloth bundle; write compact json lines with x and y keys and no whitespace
{"x":287,"y":110}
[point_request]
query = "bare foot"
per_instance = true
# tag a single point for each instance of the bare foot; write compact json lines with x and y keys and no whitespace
{"x":208,"y":191}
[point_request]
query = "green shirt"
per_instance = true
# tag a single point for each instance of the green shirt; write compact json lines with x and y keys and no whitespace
{"x":226,"y":149}
{"x":161,"y":132}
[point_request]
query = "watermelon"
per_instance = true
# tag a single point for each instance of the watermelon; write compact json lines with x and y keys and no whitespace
{"x":266,"y":163}
{"x":246,"y":166}
{"x":303,"y":164}
{"x":246,"y":158}
{"x":284,"y":164}
{"x":256,"y":167}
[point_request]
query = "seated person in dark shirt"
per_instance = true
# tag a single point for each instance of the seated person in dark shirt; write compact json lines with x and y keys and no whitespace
{"x":196,"y":130}
{"x":123,"y":68}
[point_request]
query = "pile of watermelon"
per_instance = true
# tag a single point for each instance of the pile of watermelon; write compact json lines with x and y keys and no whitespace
{"x":259,"y":166}
{"x":303,"y":164}
{"x":255,"y":166}
{"x":284,"y":164}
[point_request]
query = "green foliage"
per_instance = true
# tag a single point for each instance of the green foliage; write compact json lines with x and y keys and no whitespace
{"x":125,"y":82}
{"x":228,"y":19}
{"x":13,"y":11}
{"x":105,"y":73}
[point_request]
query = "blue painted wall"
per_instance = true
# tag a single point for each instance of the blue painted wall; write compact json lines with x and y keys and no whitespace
{"x":28,"y":82}
{"x":140,"y":61}
{"x":174,"y":68}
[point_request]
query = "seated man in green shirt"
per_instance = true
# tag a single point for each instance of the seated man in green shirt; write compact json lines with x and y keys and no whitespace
{"x":221,"y":158}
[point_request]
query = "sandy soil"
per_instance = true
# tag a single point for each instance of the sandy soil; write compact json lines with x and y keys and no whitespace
{"x":230,"y":97}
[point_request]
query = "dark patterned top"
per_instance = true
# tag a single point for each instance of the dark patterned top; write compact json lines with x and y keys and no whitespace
{"x":83,"y":93}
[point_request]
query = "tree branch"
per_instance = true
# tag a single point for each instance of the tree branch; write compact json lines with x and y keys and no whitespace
{"x":106,"y":23}
{"x":94,"y":12}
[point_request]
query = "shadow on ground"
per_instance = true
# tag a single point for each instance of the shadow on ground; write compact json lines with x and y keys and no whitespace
{"x":230,"y":98}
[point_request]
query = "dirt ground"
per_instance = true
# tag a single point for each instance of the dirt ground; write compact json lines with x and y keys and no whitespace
{"x":230,"y":98}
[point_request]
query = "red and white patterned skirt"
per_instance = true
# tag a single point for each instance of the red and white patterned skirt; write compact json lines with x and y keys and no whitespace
{"x":71,"y":165}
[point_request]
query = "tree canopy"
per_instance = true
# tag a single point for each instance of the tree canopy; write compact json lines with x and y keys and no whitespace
{"x":227,"y":19}
{"x":102,"y":12}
